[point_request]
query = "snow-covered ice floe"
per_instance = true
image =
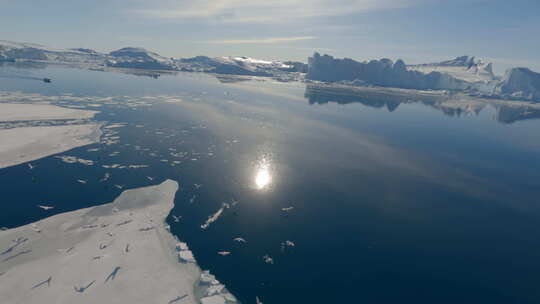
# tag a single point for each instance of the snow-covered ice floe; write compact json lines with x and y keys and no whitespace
{"x":25,"y":112}
{"x":115,"y":253}
{"x":22,"y":144}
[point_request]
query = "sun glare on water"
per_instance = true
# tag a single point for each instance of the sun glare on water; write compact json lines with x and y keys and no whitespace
{"x":263,"y":178}
{"x":263,"y":174}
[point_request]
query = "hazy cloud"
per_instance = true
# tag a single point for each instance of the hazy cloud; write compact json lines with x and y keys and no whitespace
{"x":274,"y":40}
{"x":262,"y":11}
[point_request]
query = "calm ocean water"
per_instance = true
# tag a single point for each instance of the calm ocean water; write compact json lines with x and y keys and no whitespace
{"x":392,"y":200}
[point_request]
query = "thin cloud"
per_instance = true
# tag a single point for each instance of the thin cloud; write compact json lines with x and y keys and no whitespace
{"x":262,"y":11}
{"x":274,"y":40}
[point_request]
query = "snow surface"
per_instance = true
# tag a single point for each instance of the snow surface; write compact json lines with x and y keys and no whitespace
{"x":23,"y":144}
{"x":121,"y":252}
{"x":20,"y":145}
{"x":22,"y":112}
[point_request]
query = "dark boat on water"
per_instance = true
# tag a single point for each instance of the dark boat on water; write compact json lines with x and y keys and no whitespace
{"x":47,"y":80}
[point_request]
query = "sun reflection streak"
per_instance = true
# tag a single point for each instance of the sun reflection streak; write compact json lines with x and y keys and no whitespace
{"x":263,"y":177}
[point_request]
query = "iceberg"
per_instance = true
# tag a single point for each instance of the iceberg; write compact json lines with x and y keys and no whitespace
{"x":520,"y":83}
{"x":384,"y":73}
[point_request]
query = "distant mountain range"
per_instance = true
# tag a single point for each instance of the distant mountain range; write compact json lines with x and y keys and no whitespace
{"x":464,"y":73}
{"x":139,"y":58}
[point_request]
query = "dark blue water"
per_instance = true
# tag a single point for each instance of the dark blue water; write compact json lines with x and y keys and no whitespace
{"x":396,"y":199}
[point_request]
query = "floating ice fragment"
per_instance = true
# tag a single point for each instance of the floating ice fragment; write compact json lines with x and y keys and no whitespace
{"x":45,"y":207}
{"x":105,"y":177}
{"x":181,"y":246}
{"x":267,"y":259}
{"x":214,"y":290}
{"x":137,"y":166}
{"x":35,"y":228}
{"x":287,"y":209}
{"x":186,"y":256}
{"x":207,"y":278}
{"x":215,"y":216}
{"x":213,"y":300}
{"x":73,"y":160}
{"x":115,"y":125}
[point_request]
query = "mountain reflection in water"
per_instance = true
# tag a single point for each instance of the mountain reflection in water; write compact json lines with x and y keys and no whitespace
{"x":451,"y":105}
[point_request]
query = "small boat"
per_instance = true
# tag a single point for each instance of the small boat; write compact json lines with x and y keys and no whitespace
{"x":47,"y":80}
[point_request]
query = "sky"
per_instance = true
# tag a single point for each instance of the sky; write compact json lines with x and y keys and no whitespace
{"x":505,"y":32}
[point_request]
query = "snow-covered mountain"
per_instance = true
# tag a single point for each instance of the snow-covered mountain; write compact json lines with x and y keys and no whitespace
{"x":239,"y":66}
{"x":466,"y":68}
{"x":10,"y":51}
{"x":139,"y":58}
